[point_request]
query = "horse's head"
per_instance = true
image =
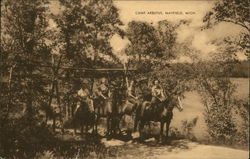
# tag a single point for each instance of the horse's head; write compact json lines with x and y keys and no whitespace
{"x":178,"y":104}
{"x":174,"y":101}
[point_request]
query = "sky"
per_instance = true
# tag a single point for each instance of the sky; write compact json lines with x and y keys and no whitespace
{"x":154,"y":11}
{"x":173,"y":11}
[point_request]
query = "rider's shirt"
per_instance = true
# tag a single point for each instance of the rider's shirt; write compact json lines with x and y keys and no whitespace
{"x":131,"y":91}
{"x":83,"y":93}
{"x":103,"y":89}
{"x":157,"y":92}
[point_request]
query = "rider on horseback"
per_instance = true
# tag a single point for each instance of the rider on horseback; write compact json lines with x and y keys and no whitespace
{"x":157,"y":94}
{"x":102,"y":93}
{"x":84,"y":95}
{"x":132,"y":93}
{"x":102,"y":90}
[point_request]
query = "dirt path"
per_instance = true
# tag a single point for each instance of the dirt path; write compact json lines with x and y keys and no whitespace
{"x":179,"y":149}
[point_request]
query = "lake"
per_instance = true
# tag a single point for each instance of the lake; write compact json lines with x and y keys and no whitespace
{"x":193,"y":107}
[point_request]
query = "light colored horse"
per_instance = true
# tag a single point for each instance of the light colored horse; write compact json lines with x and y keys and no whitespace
{"x":104,"y":109}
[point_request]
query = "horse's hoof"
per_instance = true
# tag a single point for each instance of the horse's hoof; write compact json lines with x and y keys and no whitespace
{"x":167,"y":142}
{"x":160,"y":140}
{"x":109,"y":137}
{"x":141,"y":140}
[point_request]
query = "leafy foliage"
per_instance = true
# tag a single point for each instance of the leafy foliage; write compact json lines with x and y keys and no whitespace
{"x":23,"y":48}
{"x":218,"y":99}
{"x":187,"y":128}
{"x":235,"y":12}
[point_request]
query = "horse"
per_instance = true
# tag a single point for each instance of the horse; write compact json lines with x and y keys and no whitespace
{"x":104,"y":108}
{"x":84,"y":115}
{"x":163,"y":113}
{"x":111,"y":108}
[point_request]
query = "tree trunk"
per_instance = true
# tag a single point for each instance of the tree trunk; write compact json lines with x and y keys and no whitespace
{"x":60,"y":107}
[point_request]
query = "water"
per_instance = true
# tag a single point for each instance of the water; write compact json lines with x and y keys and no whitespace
{"x":193,"y":107}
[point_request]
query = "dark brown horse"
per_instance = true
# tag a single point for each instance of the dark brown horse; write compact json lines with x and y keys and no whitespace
{"x":84,"y":116}
{"x":163,"y":113}
{"x":113,"y":110}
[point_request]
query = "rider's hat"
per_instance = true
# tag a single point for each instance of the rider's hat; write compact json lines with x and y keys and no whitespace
{"x":85,"y":81}
{"x":103,"y":80}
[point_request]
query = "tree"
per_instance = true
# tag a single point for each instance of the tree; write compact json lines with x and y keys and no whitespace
{"x":218,"y":88}
{"x":167,"y":35}
{"x":23,"y":36}
{"x":235,"y":12}
{"x":83,"y":38}
{"x":85,"y":30}
{"x":218,"y":93}
{"x":144,"y":40}
{"x":150,"y":46}
{"x":23,"y":53}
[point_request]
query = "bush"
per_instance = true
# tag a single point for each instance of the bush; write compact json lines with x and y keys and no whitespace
{"x":187,"y":128}
{"x":242,"y":112}
{"x":221,"y":109}
{"x":220,"y":124}
{"x":23,"y":137}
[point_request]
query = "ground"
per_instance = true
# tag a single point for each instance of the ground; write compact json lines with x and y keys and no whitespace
{"x":178,"y":149}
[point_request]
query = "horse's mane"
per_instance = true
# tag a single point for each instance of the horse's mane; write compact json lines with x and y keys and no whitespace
{"x":170,"y":102}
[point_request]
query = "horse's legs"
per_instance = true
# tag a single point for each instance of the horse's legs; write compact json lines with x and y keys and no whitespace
{"x":87,"y":127}
{"x":74,"y":130}
{"x":149,"y":126}
{"x":161,"y":131}
{"x":113,"y":125}
{"x":136,"y":123}
{"x":74,"y":125}
{"x":141,"y":126}
{"x":119,"y":118}
{"x":81,"y":129}
{"x":95,"y":124}
{"x":108,"y":125}
{"x":167,"y":129}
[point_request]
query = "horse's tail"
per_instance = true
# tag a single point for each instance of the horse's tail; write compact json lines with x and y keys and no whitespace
{"x":90,"y":104}
{"x":144,"y":106}
{"x":127,"y":107}
{"x":78,"y":104}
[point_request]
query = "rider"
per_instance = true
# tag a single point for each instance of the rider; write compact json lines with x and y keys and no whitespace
{"x":132,"y":93}
{"x":103,"y":89}
{"x":157,"y":94}
{"x":102,"y":92}
{"x":84,"y":95}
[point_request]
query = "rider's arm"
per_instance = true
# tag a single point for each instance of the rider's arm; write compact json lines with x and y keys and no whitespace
{"x":153,"y":91}
{"x":101,"y":94}
{"x":163,"y":93}
{"x":131,"y":95}
{"x":109,"y":93}
{"x":127,"y":82}
{"x":130,"y":91}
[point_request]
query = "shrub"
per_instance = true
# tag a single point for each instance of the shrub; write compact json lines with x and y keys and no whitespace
{"x":22,"y":138}
{"x":187,"y":128}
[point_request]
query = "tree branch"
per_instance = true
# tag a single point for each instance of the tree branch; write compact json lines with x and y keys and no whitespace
{"x":237,"y":23}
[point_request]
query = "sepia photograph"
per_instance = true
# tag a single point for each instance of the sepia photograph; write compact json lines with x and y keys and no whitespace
{"x":124,"y":79}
